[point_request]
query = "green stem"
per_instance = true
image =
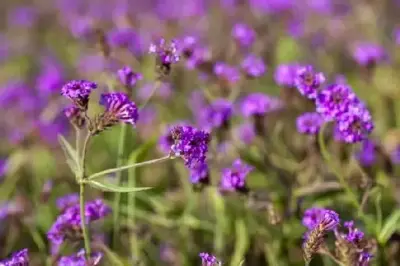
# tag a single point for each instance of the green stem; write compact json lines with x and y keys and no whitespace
{"x":131,"y":212}
{"x":117,"y":196}
{"x":85,"y":232}
{"x":135,"y":165}
{"x":219,"y":209}
{"x":83,"y":155}
{"x":326,"y":156}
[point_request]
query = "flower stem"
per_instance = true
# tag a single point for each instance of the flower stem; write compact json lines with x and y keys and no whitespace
{"x":131,"y":213}
{"x":85,"y":232}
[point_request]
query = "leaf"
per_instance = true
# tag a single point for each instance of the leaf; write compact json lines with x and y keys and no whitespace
{"x":70,"y":154}
{"x":390,"y":226}
{"x":241,"y":244}
{"x":109,"y":187}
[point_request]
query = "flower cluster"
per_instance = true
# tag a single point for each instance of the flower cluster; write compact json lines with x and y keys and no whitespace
{"x":309,"y":123}
{"x":209,"y":260}
{"x":127,"y":77}
{"x":19,"y":258}
{"x":308,"y":82}
{"x":79,"y":259}
{"x":67,"y":201}
{"x":78,"y":92}
{"x":216,"y":115}
{"x":253,"y":66}
{"x":167,"y":54}
{"x":234,"y":178}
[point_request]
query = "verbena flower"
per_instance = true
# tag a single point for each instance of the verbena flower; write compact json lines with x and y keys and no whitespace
{"x":163,"y":91}
{"x":364,"y":259}
{"x":119,"y":108}
{"x":356,"y":124}
{"x":353,"y":235}
{"x":243,"y":34}
{"x":78,"y":91}
{"x":199,"y":174}
{"x":308,"y":82}
{"x":216,"y":115}
{"x":285,"y":75}
{"x":67,"y":201}
{"x":187,"y":45}
{"x":367,"y":155}
{"x":200,"y":56}
{"x":167,"y":54}
{"x":79,"y":259}
{"x":226,"y":72}
{"x":166,"y":140}
{"x":191,"y":144}
{"x":253,"y":66}
{"x":368,"y":54}
{"x":127,"y":77}
{"x":309,"y":123}
{"x":334,"y":101}
{"x":234,"y":178}
{"x":209,"y":260}
{"x":19,"y":258}
{"x":75,"y":116}
{"x":312,"y":216}
{"x":259,"y":104}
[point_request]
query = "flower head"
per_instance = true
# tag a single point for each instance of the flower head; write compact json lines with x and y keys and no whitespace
{"x":67,"y":201}
{"x":226,"y":72}
{"x":368,"y":54}
{"x":75,"y":116}
{"x":234,"y":178}
{"x":354,"y":235}
{"x":309,"y":123}
{"x":243,"y":34}
{"x":367,"y":155}
{"x":334,"y":101}
{"x":167,"y":53}
{"x":78,"y":91}
{"x":364,"y":258}
{"x":312,"y":217}
{"x":216,"y":115}
{"x":253,"y":66}
{"x":259,"y":104}
{"x":209,"y":260}
{"x":191,"y":144}
{"x":285,"y":75}
{"x":199,"y":174}
{"x":307,"y":81}
{"x":127,"y":77}
{"x":80,"y":260}
{"x":19,"y":258}
{"x":166,"y":140}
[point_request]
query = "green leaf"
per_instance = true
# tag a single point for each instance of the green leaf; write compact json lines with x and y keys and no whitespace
{"x":390,"y":226}
{"x":242,"y":243}
{"x":109,"y":187}
{"x":70,"y":154}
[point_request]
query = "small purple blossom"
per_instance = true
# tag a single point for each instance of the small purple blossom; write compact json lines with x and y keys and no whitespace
{"x":308,"y":82}
{"x":243,"y":34}
{"x":312,"y":217}
{"x":285,"y":75}
{"x":334,"y":101}
{"x":234,"y":178}
{"x":329,"y":220}
{"x":368,"y":54}
{"x":354,"y":235}
{"x":19,"y":258}
{"x":199,"y":56}
{"x":166,"y":140}
{"x":259,"y":104}
{"x":245,"y":133}
{"x":78,"y":91}
{"x":216,"y":115}
{"x":364,"y":258}
{"x":75,"y":116}
{"x":199,"y":174}
{"x":226,"y":72}
{"x":119,"y":108}
{"x":127,"y":77}
{"x":191,"y":144}
{"x":309,"y":123}
{"x":209,"y":260}
{"x":167,"y":53}
{"x":253,"y":66}
{"x":79,"y":259}
{"x":367,"y":155}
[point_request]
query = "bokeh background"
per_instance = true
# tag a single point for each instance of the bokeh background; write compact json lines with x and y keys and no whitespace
{"x":46,"y":43}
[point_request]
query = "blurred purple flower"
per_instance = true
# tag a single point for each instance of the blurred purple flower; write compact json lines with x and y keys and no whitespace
{"x":209,"y":260}
{"x":191,"y":144}
{"x":271,"y":6}
{"x":395,"y":155}
{"x":253,"y":66}
{"x":80,"y":260}
{"x":285,"y":75}
{"x":367,"y":154}
{"x":309,"y":123}
{"x":50,"y":78}
{"x":334,"y":101}
{"x":243,"y":34}
{"x":78,"y":91}
{"x":196,"y":101}
{"x":312,"y":217}
{"x":19,"y":258}
{"x":199,"y":56}
{"x":396,"y":35}
{"x":245,"y":133}
{"x":354,"y":235}
{"x":259,"y":104}
{"x":308,"y":82}
{"x":11,"y":208}
{"x":3,"y":167}
{"x":369,"y":54}
{"x":226,"y":72}
{"x":23,"y":16}
{"x":199,"y":174}
{"x":127,"y":77}
{"x":179,"y":9}
{"x":119,"y":108}
{"x":67,"y":201}
{"x":164,"y":91}
{"x":126,"y":38}
{"x":215,"y":115}
{"x":234,"y":178}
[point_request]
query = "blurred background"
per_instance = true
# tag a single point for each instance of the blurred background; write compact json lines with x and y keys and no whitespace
{"x":46,"y":43}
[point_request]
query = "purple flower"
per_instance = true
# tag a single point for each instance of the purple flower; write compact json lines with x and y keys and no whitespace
{"x":167,"y":54}
{"x":67,"y":201}
{"x":285,"y":75}
{"x":208,"y":259}
{"x":199,"y":56}
{"x":395,"y":155}
{"x":312,"y":217}
{"x":253,"y":66}
{"x":307,"y":81}
{"x":368,"y":54}
{"x":234,"y":178}
{"x":367,"y":154}
{"x":243,"y":34}
{"x":364,"y":258}
{"x":199,"y":174}
{"x":258,"y":104}
{"x":24,"y":16}
{"x":127,"y":77}
{"x":334,"y":101}
{"x":78,"y":91}
{"x":226,"y":72}
{"x":356,"y":124}
{"x":119,"y":108}
{"x":245,"y":133}
{"x":125,"y":38}
{"x":50,"y":77}
{"x":309,"y":123}
{"x":188,"y":44}
{"x":75,"y":116}
{"x":216,"y":115}
{"x":166,"y":140}
{"x":80,"y":260}
{"x":191,"y":144}
{"x":329,"y":220}
{"x":354,"y":235}
{"x":19,"y":258}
